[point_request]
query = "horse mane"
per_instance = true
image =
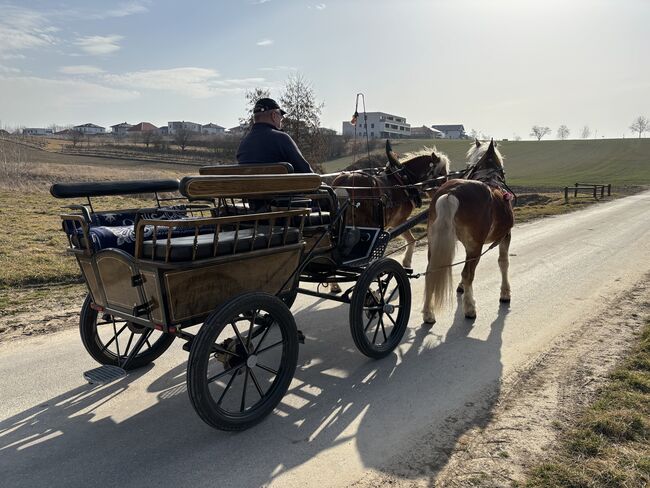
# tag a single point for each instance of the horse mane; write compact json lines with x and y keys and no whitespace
{"x":426,"y":151}
{"x":475,"y":153}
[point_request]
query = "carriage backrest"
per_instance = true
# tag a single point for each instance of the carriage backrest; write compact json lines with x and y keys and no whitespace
{"x":108,"y":188}
{"x":244,"y":186}
{"x":247,"y":169}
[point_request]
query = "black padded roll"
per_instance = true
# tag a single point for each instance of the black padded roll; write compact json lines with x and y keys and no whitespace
{"x":107,"y":188}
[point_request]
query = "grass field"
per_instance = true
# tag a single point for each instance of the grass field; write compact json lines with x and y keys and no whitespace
{"x":549,"y":164}
{"x":609,"y":444}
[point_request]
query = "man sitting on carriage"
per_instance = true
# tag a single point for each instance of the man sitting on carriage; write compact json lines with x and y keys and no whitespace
{"x":266,"y":143}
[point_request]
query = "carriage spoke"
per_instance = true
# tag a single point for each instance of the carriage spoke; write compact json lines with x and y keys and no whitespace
{"x":270,"y":347}
{"x":374,"y":337}
{"x":243,"y":393}
{"x":225,"y":390}
{"x":250,"y":331}
{"x":266,"y":331}
{"x":148,"y":343}
{"x":239,"y":337}
{"x":391,"y":319}
{"x":257,"y":385}
{"x":233,"y":370}
{"x":221,"y":350}
{"x":383,"y":330}
{"x":369,"y":322}
{"x":128,"y":344}
{"x":266,"y":368}
{"x":106,"y":346}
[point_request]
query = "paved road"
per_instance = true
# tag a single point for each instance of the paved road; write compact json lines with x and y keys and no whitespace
{"x":344,"y":413}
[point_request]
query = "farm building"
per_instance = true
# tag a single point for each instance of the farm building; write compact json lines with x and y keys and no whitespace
{"x":425,"y":132}
{"x":143,"y":127}
{"x":90,"y":129}
{"x":175,"y":126}
{"x":456,"y":131}
{"x":120,"y":129}
{"x":37,"y":131}
{"x":379,"y":125}
{"x":212,"y":129}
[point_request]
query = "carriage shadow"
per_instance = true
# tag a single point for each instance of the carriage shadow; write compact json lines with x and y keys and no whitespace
{"x":338,"y":397}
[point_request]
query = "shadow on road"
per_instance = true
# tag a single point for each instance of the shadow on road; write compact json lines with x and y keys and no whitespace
{"x":338,"y":397}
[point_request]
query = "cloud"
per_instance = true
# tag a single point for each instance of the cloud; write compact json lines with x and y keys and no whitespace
{"x":125,"y":9}
{"x":260,"y":2}
{"x":265,"y":42}
{"x":187,"y":81}
{"x":99,"y":44}
{"x":81,"y":69}
{"x":22,"y":28}
{"x":321,"y":6}
{"x":8,"y":69}
{"x":61,"y":93}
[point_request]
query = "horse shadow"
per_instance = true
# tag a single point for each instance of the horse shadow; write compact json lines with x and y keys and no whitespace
{"x":337,"y":397}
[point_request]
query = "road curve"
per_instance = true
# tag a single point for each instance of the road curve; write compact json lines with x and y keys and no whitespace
{"x":344,"y":414}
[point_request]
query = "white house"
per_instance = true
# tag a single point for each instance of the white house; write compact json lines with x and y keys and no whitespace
{"x":37,"y":131}
{"x":212,"y":129}
{"x":90,"y":129}
{"x":173,"y":127}
{"x":456,"y":131}
{"x":120,"y":129}
{"x":379,"y":125}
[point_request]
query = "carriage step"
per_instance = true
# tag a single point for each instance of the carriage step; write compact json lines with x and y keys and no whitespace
{"x":104,"y":374}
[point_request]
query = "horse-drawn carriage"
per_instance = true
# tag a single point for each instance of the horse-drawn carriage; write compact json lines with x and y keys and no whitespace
{"x":226,"y":252}
{"x":229,"y":249}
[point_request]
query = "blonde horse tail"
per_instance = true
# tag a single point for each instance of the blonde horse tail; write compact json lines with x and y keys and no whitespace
{"x":442,"y":248}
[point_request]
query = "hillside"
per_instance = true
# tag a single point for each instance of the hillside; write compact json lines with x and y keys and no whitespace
{"x":550,"y":163}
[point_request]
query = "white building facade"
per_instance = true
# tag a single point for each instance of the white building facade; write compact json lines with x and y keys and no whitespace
{"x":454,"y":131}
{"x":212,"y":129}
{"x":175,"y":126}
{"x":120,"y":129}
{"x":37,"y":131}
{"x":90,"y":129}
{"x":379,"y":125}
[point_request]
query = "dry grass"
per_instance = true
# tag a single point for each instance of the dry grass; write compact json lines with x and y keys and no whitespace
{"x":608,"y":445}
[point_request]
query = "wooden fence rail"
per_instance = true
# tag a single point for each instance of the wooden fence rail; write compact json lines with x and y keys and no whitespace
{"x":591,"y":188}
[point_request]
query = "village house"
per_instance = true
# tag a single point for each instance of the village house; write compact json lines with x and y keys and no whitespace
{"x":37,"y":131}
{"x":90,"y":129}
{"x":379,"y":125}
{"x":120,"y":129}
{"x":142,"y":127}
{"x":454,"y":131}
{"x":175,"y":126}
{"x":212,"y":129}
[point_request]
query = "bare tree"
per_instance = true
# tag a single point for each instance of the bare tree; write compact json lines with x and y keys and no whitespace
{"x":539,"y":131}
{"x":75,"y":136}
{"x":586,"y":132}
{"x":563,"y":132}
{"x":251,"y":97}
{"x":147,"y":137}
{"x":640,"y":125}
{"x":473,"y":134}
{"x":182,"y":137}
{"x":302,"y":121}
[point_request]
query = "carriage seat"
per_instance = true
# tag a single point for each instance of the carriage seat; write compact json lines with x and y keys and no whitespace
{"x":116,"y":229}
{"x":182,"y":248}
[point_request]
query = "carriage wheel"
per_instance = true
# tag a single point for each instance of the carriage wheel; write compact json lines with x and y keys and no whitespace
{"x":110,"y":340}
{"x":380,"y":308}
{"x":242,"y":361}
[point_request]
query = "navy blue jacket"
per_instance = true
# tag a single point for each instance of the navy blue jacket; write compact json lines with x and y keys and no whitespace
{"x":265,"y":144}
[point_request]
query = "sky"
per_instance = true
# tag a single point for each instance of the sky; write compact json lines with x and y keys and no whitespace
{"x":497,"y":66}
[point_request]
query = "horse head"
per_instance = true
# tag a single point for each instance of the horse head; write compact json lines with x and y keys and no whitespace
{"x":418,"y":166}
{"x":483,"y":156}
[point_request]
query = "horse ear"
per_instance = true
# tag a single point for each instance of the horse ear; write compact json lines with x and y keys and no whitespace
{"x":477,"y":142}
{"x":392,"y":158}
{"x":435,"y":157}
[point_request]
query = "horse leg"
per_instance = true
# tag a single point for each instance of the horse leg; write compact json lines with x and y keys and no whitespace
{"x":469,"y":305}
{"x":408,"y":257}
{"x":504,"y":262}
{"x":428,"y":315}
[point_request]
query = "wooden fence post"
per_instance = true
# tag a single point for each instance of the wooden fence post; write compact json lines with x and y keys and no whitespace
{"x":566,"y":194}
{"x":576,"y":191}
{"x":602,"y":191}
{"x":609,"y":190}
{"x":595,"y":193}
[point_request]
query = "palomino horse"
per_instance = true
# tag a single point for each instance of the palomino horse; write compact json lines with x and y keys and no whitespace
{"x":476,"y":211}
{"x":389,"y":184}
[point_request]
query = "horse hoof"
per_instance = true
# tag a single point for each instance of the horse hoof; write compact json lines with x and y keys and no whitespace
{"x":470,"y":315}
{"x":504,"y":299}
{"x":460,"y":289}
{"x":428,"y":322}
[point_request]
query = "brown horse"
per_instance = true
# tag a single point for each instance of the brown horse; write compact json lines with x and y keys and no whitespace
{"x":475,"y":211}
{"x":367,"y":189}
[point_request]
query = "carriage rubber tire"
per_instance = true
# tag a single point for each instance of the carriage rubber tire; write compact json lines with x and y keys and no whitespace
{"x":92,"y":343}
{"x":289,"y":298}
{"x":197,"y":386}
{"x":383,"y":265}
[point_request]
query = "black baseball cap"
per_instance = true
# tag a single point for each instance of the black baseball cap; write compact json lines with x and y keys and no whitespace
{"x":266,"y":104}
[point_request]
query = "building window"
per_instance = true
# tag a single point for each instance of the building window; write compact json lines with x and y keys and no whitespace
{"x":401,"y":128}
{"x":372,"y":126}
{"x":372,"y":134}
